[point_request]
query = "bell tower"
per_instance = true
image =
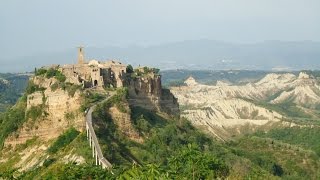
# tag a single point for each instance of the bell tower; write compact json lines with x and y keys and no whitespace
{"x":80,"y":55}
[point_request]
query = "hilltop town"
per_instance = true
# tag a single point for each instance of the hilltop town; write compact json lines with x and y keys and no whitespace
{"x":94,"y":73}
{"x":56,"y":92}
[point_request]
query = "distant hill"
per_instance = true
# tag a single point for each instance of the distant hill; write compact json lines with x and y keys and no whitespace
{"x":210,"y":77}
{"x":195,"y":54}
{"x":12,"y":86}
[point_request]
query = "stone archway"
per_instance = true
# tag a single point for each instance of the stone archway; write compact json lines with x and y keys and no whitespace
{"x":95,"y":83}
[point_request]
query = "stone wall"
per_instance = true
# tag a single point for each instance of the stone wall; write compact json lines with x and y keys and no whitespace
{"x":95,"y":73}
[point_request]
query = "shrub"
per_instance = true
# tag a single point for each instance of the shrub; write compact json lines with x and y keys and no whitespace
{"x":129,"y":69}
{"x":48,"y":162}
{"x":119,"y":99}
{"x":71,"y":88}
{"x":145,"y":69}
{"x":40,"y":72}
{"x":51,"y":73}
{"x":60,"y":77}
{"x":34,"y":112}
{"x":54,"y":87}
{"x":63,"y":140}
{"x":69,"y":116}
{"x":89,"y":99}
{"x":55,"y":73}
{"x":143,"y":125}
{"x":31,"y":88}
{"x":156,"y":70}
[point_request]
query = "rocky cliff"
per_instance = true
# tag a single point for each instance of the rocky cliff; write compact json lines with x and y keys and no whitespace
{"x":146,"y":92}
{"x":124,"y":122}
{"x":49,"y":112}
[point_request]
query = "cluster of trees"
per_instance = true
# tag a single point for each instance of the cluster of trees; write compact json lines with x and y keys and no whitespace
{"x":276,"y":158}
{"x":12,"y":119}
{"x":54,"y":72}
{"x":61,"y":171}
{"x":187,"y":163}
{"x":31,"y":88}
{"x":137,"y":72}
{"x":51,"y":72}
{"x":119,"y":99}
{"x":304,"y":137}
{"x":89,"y":99}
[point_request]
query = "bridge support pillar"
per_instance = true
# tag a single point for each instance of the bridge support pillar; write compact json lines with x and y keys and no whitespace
{"x":96,"y":158}
{"x":93,"y":151}
{"x":87,"y":129}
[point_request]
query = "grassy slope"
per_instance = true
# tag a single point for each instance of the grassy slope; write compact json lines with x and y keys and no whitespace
{"x":278,"y":158}
{"x":305,"y":137}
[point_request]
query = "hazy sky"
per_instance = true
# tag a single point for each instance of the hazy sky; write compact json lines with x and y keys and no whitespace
{"x":35,"y":26}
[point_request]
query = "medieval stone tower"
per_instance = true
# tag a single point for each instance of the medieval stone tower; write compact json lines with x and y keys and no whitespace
{"x":80,"y":55}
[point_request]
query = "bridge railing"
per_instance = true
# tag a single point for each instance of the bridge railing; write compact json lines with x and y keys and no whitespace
{"x":94,"y":143}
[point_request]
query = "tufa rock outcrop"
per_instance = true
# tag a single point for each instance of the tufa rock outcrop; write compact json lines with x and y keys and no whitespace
{"x":48,"y":113}
{"x":145,"y":91}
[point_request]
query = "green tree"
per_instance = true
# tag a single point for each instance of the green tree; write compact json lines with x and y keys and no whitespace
{"x":129,"y":69}
{"x":40,"y":71}
{"x":191,"y":163}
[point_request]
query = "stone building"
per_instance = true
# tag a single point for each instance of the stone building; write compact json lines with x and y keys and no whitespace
{"x":94,"y":73}
{"x":144,"y":84}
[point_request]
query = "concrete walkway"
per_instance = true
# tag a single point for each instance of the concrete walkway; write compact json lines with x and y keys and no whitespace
{"x":94,"y":143}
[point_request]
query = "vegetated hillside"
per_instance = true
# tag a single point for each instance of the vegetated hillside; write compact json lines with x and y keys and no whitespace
{"x":169,"y":148}
{"x":12,"y":86}
{"x":146,"y":144}
{"x":282,"y":99}
{"x":163,"y":136}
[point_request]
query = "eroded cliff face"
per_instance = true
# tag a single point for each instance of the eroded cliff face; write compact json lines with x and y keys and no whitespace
{"x":223,"y":109}
{"x":124,"y":122}
{"x":48,"y":113}
{"x":147,"y":92}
